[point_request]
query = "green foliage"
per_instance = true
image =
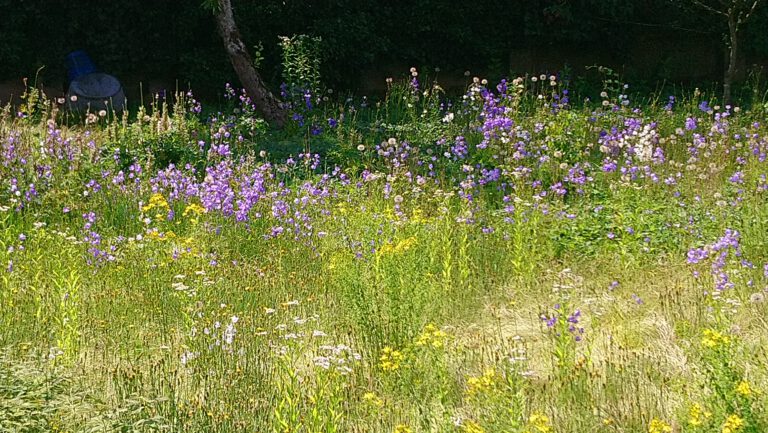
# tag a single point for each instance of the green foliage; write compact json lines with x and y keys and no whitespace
{"x":211,"y":5}
{"x":301,"y":62}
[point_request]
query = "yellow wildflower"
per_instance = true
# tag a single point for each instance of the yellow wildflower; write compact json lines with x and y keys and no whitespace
{"x":373,"y":399}
{"x":744,"y":389}
{"x":418,"y":217}
{"x":387,"y":248}
{"x":405,"y":244}
{"x":472,"y":427}
{"x":156,"y":201}
{"x":336,"y":261}
{"x":162,"y":236}
{"x":390,"y":359}
{"x":402,"y":428}
{"x":697,"y":415}
{"x":432,"y":336}
{"x":539,"y":423}
{"x":733,"y":424}
{"x":402,"y":246}
{"x":713,"y":339}
{"x":659,"y":426}
{"x":195,"y":210}
{"x":479,"y":384}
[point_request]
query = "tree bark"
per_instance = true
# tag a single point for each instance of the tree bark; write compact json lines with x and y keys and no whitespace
{"x":264,"y":101}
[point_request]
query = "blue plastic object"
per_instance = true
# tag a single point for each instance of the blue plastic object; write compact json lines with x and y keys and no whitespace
{"x":79,"y":64}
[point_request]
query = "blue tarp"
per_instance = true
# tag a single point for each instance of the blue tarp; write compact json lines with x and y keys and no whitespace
{"x":90,"y":89}
{"x":96,"y":92}
{"x":79,"y":64}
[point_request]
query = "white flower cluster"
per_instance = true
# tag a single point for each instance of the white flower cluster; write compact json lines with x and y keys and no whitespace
{"x":647,"y":138}
{"x":340,"y":357}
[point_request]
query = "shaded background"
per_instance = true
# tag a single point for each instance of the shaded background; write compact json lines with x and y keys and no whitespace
{"x":165,"y":43}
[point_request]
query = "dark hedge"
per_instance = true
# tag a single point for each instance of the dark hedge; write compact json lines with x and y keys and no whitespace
{"x":363,"y":40}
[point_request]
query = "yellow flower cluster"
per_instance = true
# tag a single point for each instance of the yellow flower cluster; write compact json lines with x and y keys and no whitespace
{"x":193,"y":209}
{"x":373,"y":399}
{"x":712,"y":339}
{"x":733,"y":424}
{"x":159,"y":236}
{"x":432,"y":336}
{"x":659,"y":426}
{"x":390,"y":359}
{"x":157,"y":201}
{"x":697,"y":415}
{"x":472,"y":427}
{"x":418,"y":217}
{"x":402,"y":428}
{"x":402,"y":246}
{"x":335,"y":261}
{"x":744,"y":389}
{"x":479,"y":384}
{"x":539,"y":423}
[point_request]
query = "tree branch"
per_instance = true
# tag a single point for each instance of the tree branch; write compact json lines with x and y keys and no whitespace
{"x":254,"y":86}
{"x":752,"y":9}
{"x":743,"y":16}
{"x":709,"y":8}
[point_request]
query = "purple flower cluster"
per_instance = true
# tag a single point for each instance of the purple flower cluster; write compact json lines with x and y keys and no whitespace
{"x":558,"y":319}
{"x":718,"y":252}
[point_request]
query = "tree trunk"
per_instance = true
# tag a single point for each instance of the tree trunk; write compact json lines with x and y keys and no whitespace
{"x":254,"y":86}
{"x":733,"y":52}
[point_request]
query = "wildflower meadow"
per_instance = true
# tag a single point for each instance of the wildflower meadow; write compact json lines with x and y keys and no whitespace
{"x":518,"y":258}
